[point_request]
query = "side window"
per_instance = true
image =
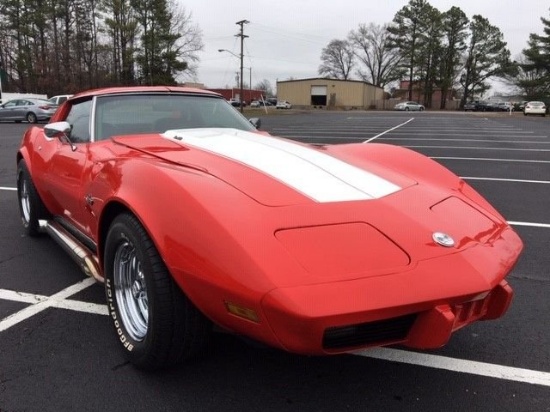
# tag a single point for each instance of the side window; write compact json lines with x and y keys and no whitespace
{"x":61,"y":99}
{"x":79,"y":119}
{"x":13,"y":103}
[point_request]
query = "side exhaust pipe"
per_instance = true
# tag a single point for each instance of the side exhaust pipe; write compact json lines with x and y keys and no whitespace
{"x":83,"y":257}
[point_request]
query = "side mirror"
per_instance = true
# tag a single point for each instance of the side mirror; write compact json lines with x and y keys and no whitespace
{"x":60,"y":130}
{"x":57,"y":129}
{"x":256,"y":122}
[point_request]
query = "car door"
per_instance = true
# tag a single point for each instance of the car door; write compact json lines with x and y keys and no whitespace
{"x":8,"y":110}
{"x":66,"y":165}
{"x":21,"y":109}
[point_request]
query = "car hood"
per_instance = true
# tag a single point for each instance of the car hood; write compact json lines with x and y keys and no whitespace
{"x":273,"y":171}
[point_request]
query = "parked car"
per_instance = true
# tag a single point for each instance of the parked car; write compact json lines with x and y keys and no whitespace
{"x":190,"y":216}
{"x":535,"y":107}
{"x":520,"y":106}
{"x":412,"y":106}
{"x":471,"y":106}
{"x":30,"y":110}
{"x":504,"y":107}
{"x":59,"y":99}
{"x":479,"y":106}
{"x":236,"y":103}
{"x":259,"y":103}
{"x":283,"y":104}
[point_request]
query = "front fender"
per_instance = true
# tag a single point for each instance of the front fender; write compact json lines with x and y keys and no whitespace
{"x":26,"y":148}
{"x":191,"y":218}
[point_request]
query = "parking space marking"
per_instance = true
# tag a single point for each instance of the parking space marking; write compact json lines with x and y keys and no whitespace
{"x":56,"y":300}
{"x":459,"y":365}
{"x":8,"y":188}
{"x":59,"y":300}
{"x":476,"y":148}
{"x":530,"y":224}
{"x":462,"y":140}
{"x":389,"y":130}
{"x":488,"y":159}
{"x":497,"y":179}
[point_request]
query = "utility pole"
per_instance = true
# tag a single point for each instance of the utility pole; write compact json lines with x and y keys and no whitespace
{"x":242,"y":36}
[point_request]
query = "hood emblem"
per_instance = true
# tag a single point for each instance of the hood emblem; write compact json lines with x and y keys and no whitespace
{"x":443,"y":239}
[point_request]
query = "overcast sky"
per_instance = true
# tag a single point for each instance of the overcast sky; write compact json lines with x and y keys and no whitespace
{"x":286,"y":37}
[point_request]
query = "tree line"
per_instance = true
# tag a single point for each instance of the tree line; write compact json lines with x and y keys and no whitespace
{"x":64,"y":46}
{"x":438,"y":50}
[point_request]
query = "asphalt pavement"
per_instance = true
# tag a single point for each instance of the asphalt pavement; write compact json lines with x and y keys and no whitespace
{"x":58,"y":351}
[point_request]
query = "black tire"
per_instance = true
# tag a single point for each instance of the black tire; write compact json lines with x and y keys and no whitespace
{"x":421,"y":109}
{"x":31,"y":207}
{"x":406,"y":109}
{"x":156,"y":324}
{"x":31,"y":117}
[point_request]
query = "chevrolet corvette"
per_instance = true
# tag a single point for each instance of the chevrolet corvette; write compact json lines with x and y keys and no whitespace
{"x":192,"y":217}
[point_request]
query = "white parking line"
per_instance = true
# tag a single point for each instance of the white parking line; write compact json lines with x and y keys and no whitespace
{"x":43,"y":303}
{"x":488,"y":159}
{"x":476,"y":148}
{"x":530,"y":224}
{"x":8,"y":188}
{"x":462,"y":140}
{"x":59,"y":300}
{"x":496,"y":179}
{"x":389,"y":130}
{"x":459,"y":365}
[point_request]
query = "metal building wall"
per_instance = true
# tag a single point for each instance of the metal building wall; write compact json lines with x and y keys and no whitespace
{"x":347,"y":94}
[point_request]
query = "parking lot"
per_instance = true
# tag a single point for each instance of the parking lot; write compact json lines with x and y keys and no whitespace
{"x":58,"y":351}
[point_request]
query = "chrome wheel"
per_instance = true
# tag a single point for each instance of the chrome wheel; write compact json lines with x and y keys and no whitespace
{"x":131,"y":291}
{"x":25,"y":201}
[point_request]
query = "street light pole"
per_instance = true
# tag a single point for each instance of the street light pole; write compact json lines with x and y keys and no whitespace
{"x":240,"y":81}
{"x":242,"y":36}
{"x":250,"y":86}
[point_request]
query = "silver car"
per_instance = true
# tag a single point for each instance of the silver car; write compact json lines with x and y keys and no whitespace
{"x":406,"y":106}
{"x":30,"y":110}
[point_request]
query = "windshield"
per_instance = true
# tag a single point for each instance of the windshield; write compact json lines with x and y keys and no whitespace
{"x":156,"y":113}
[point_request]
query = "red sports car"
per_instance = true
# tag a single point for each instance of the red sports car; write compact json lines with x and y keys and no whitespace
{"x":191,"y":216}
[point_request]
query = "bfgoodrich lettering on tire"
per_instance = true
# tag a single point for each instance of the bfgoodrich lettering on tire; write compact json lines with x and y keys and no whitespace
{"x":156,"y":324}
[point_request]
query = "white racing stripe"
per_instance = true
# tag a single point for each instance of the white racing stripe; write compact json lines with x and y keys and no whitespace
{"x":318,"y":176}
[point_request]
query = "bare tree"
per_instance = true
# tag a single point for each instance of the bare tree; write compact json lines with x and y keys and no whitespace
{"x":337,"y":59}
{"x":372,"y":47}
{"x":189,"y":38}
{"x":265,"y":86}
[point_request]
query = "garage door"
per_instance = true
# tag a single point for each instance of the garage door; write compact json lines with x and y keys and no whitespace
{"x":318,"y":96}
{"x":318,"y":90}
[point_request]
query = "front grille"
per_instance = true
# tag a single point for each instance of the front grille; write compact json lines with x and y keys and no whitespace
{"x":370,"y":333}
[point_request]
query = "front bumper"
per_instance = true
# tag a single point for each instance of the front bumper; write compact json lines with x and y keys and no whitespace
{"x":419,"y":308}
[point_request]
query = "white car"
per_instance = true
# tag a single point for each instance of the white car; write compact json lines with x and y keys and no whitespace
{"x":283,"y":104}
{"x":406,"y":106}
{"x":535,"y":108}
{"x":59,"y":99}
